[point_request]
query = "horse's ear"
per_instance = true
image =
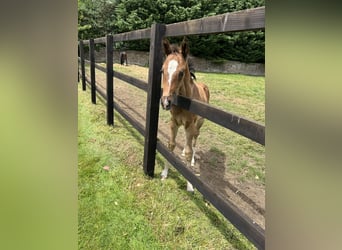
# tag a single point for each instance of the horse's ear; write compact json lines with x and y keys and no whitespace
{"x":166,"y":46}
{"x":185,"y":48}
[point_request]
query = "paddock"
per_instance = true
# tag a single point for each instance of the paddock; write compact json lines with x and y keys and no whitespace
{"x":230,"y":22}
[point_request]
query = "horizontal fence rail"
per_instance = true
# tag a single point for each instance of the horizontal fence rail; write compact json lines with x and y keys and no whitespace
{"x":246,"y":226}
{"x":246,"y":20}
{"x":251,"y":230}
{"x":120,"y":110}
{"x":127,"y":36}
{"x":126,"y":78}
{"x":243,"y":126}
{"x":132,"y":80}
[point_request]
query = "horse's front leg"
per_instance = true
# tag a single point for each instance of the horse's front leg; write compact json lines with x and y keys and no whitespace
{"x":171,"y":146}
{"x":174,"y":130}
{"x":195,"y":133}
{"x":189,"y":135}
{"x":190,"y":131}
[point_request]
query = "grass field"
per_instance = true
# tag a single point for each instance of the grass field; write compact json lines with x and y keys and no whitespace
{"x":240,"y":94}
{"x":123,"y":209}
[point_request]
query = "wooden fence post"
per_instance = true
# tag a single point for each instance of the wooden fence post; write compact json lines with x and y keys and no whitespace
{"x":153,"y":97}
{"x":92,"y":70}
{"x":109,"y":76}
{"x":78,"y":63}
{"x":82,"y":65}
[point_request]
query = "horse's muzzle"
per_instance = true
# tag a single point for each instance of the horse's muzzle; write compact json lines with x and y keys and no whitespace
{"x":165,"y":102}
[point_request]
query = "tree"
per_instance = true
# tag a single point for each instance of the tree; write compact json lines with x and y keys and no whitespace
{"x":97,"y":18}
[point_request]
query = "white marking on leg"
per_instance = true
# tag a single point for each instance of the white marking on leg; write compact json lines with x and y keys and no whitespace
{"x":166,"y":102}
{"x":189,"y":187}
{"x":193,"y":157}
{"x":183,"y":152}
{"x":165,"y":171}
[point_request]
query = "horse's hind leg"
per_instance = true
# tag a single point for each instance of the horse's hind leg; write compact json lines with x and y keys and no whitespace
{"x":193,"y":152}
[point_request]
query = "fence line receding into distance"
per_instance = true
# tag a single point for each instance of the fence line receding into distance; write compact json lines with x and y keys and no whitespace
{"x":246,"y":20}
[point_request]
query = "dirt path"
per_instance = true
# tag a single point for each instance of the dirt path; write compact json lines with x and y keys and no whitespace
{"x":212,"y":164}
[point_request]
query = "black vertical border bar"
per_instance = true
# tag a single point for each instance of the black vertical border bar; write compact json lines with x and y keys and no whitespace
{"x":153,"y":96}
{"x":92,"y":70}
{"x":82,"y":65}
{"x":109,"y":76}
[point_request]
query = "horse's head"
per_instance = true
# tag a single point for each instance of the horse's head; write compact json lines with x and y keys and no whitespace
{"x":175,"y":71}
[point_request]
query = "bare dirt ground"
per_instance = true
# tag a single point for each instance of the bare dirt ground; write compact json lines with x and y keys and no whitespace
{"x":211,"y":166}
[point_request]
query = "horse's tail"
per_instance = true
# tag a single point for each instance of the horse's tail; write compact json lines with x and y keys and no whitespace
{"x":206,"y":91}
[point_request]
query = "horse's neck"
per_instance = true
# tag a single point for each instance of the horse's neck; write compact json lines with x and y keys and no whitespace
{"x":186,"y":89}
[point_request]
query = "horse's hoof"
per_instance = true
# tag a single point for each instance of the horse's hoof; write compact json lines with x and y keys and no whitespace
{"x":163,"y":174}
{"x":189,"y":187}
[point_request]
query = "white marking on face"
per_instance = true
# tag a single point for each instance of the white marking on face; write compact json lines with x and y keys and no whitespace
{"x":172,"y":67}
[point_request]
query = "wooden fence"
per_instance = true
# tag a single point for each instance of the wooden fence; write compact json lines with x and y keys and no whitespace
{"x":246,"y":20}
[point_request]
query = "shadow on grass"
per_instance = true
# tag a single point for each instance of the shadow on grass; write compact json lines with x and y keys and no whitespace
{"x":214,"y":159}
{"x":212,"y":177}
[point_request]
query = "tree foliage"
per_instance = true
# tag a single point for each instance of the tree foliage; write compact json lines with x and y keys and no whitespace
{"x":99,"y":17}
{"x":96,"y":18}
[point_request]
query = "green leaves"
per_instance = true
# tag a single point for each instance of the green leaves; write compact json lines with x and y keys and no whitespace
{"x":98,"y":18}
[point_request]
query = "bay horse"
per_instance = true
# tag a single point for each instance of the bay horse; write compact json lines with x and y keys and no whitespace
{"x":178,"y":80}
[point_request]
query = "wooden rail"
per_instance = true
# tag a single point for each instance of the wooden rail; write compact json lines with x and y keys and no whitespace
{"x":243,"y":126}
{"x":252,"y":19}
{"x":245,"y":20}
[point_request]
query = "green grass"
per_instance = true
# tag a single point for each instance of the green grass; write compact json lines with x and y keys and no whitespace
{"x":244,"y":96}
{"x":123,"y":209}
{"x":236,"y":93}
{"x":241,"y":94}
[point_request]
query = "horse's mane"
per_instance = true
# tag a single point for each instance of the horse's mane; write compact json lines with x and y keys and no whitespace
{"x":191,"y":68}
